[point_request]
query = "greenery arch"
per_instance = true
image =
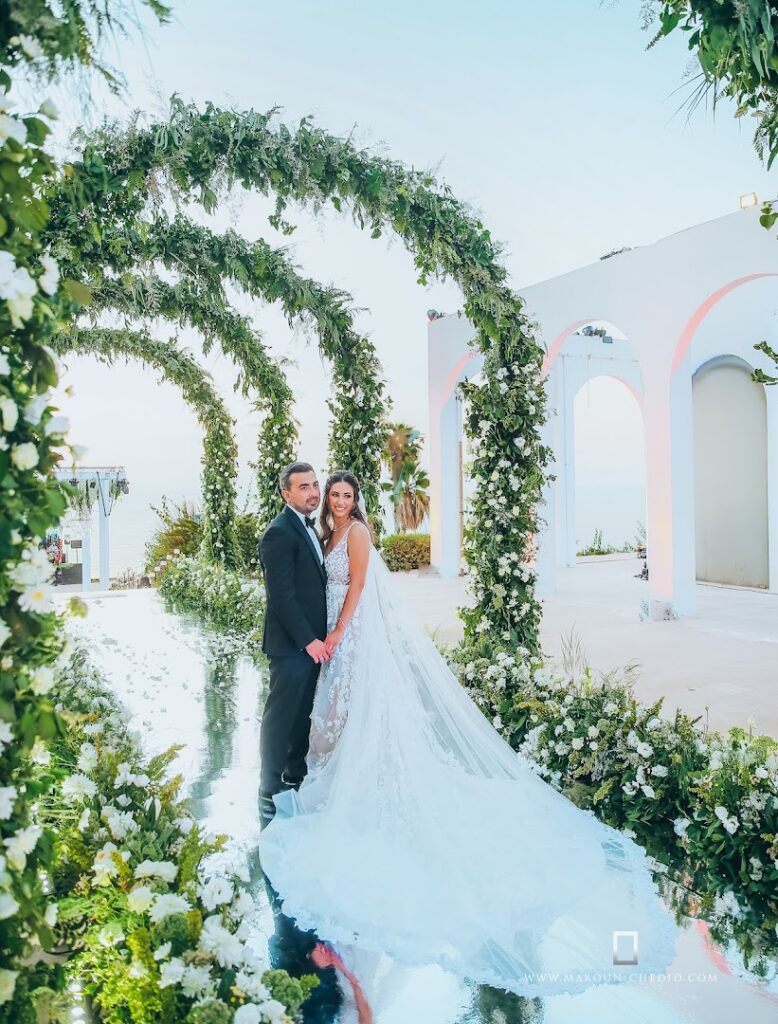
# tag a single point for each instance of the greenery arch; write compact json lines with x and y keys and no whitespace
{"x":202,"y":153}
{"x":203,"y":261}
{"x":260,"y":378}
{"x":220,"y":452}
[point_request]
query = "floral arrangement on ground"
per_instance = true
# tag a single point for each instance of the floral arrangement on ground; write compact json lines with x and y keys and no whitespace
{"x":152,"y":927}
{"x":704,"y":805}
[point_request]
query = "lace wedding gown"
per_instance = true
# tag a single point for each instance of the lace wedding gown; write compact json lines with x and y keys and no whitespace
{"x":419,"y":833}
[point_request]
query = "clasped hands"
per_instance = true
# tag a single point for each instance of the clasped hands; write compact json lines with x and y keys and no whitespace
{"x":322,"y":650}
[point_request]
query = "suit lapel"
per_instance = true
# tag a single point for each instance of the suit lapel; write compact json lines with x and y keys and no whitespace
{"x":292,"y":515}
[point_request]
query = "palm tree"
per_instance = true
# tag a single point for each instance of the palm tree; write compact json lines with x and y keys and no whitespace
{"x":408,"y":487}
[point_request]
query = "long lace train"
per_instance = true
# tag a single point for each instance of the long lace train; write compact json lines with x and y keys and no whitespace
{"x":424,"y":836}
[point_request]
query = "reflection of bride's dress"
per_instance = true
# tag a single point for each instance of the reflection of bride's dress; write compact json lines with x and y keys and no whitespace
{"x":419,"y":833}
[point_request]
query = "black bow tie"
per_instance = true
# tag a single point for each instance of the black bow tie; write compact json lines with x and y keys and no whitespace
{"x":310,"y":523}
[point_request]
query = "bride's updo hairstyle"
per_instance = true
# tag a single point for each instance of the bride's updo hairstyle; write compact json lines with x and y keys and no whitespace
{"x":340,"y":476}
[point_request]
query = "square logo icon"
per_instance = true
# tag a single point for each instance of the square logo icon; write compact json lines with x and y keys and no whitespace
{"x":625,"y":948}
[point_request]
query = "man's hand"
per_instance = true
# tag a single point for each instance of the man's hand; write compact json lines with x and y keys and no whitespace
{"x":333,"y":640}
{"x":318,"y":651}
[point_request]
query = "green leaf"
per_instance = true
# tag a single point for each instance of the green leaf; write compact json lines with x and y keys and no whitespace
{"x":78,"y":292}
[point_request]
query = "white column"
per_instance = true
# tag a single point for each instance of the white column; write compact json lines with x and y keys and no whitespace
{"x":669,"y":439}
{"x":445,"y":513}
{"x":771,"y":394}
{"x":104,"y":487}
{"x":86,"y":553}
{"x":546,"y":541}
{"x":565,"y":469}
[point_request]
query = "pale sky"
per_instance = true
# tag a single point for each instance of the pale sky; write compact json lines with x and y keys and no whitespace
{"x":552,"y":120}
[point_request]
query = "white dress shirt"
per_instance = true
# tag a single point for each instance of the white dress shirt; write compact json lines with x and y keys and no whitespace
{"x":313,"y":536}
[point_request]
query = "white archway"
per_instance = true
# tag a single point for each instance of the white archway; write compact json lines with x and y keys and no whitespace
{"x":610,"y":477}
{"x":730,"y":474}
{"x":695,"y":294}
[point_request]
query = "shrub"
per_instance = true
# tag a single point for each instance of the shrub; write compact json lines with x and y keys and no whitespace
{"x":247,"y":534}
{"x":181,"y":532}
{"x":404,"y":551}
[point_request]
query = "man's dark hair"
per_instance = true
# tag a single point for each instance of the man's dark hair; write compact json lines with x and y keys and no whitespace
{"x":288,"y":472}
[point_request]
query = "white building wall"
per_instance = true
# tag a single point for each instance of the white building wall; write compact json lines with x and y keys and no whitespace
{"x":706,"y":291}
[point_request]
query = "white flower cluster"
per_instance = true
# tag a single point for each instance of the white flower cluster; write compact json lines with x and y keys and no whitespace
{"x":123,"y":803}
{"x":29,"y":578}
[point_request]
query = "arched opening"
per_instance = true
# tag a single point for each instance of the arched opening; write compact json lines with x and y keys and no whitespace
{"x":610,"y":478}
{"x":730,"y":474}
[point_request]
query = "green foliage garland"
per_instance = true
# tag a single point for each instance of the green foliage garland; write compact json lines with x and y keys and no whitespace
{"x":204,"y":152}
{"x":220,"y":452}
{"x":736,"y":43}
{"x":33,"y":41}
{"x":260,"y":378}
{"x":205,"y":260}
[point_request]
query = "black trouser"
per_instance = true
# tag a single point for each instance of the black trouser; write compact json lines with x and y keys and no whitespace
{"x":286,"y":721}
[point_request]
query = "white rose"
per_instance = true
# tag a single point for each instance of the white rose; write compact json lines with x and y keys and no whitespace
{"x":9,"y":413}
{"x":7,"y":985}
{"x":34,"y":409}
{"x":30,"y":45}
{"x":24,"y":456}
{"x":7,"y":800}
{"x":8,"y":905}
{"x":49,"y":109}
{"x":49,"y":279}
{"x":59,"y":425}
{"x":5,"y":366}
{"x":51,"y":914}
{"x":12,"y":128}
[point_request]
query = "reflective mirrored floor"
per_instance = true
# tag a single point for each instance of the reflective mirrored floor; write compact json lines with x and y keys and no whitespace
{"x":186,"y":684}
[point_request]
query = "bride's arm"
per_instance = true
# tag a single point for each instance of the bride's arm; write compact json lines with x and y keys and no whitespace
{"x":359,"y":545}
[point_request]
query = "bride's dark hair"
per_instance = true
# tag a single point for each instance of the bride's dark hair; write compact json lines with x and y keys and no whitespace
{"x":340,"y":476}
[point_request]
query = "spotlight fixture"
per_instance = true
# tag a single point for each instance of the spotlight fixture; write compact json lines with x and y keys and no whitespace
{"x":747,"y":200}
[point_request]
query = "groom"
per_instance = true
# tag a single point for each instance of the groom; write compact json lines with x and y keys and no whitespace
{"x":295,"y":625}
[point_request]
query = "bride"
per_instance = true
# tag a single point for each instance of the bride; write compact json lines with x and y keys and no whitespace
{"x":419,"y":833}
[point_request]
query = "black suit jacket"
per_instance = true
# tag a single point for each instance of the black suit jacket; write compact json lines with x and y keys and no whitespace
{"x":295,"y":585}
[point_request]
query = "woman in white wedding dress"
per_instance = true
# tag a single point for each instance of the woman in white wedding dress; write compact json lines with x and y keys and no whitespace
{"x":419,"y":833}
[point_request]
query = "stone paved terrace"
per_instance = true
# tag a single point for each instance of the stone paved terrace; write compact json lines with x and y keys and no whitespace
{"x":726,"y":656}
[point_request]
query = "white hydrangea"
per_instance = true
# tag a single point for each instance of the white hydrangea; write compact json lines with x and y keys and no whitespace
{"x":172,"y":972}
{"x":215,"y":892}
{"x":163,"y":869}
{"x":220,"y":943}
{"x":77,"y":788}
{"x":168,"y":903}
{"x":139,"y":899}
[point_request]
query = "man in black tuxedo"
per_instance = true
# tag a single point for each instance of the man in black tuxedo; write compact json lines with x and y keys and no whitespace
{"x":295,"y":626}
